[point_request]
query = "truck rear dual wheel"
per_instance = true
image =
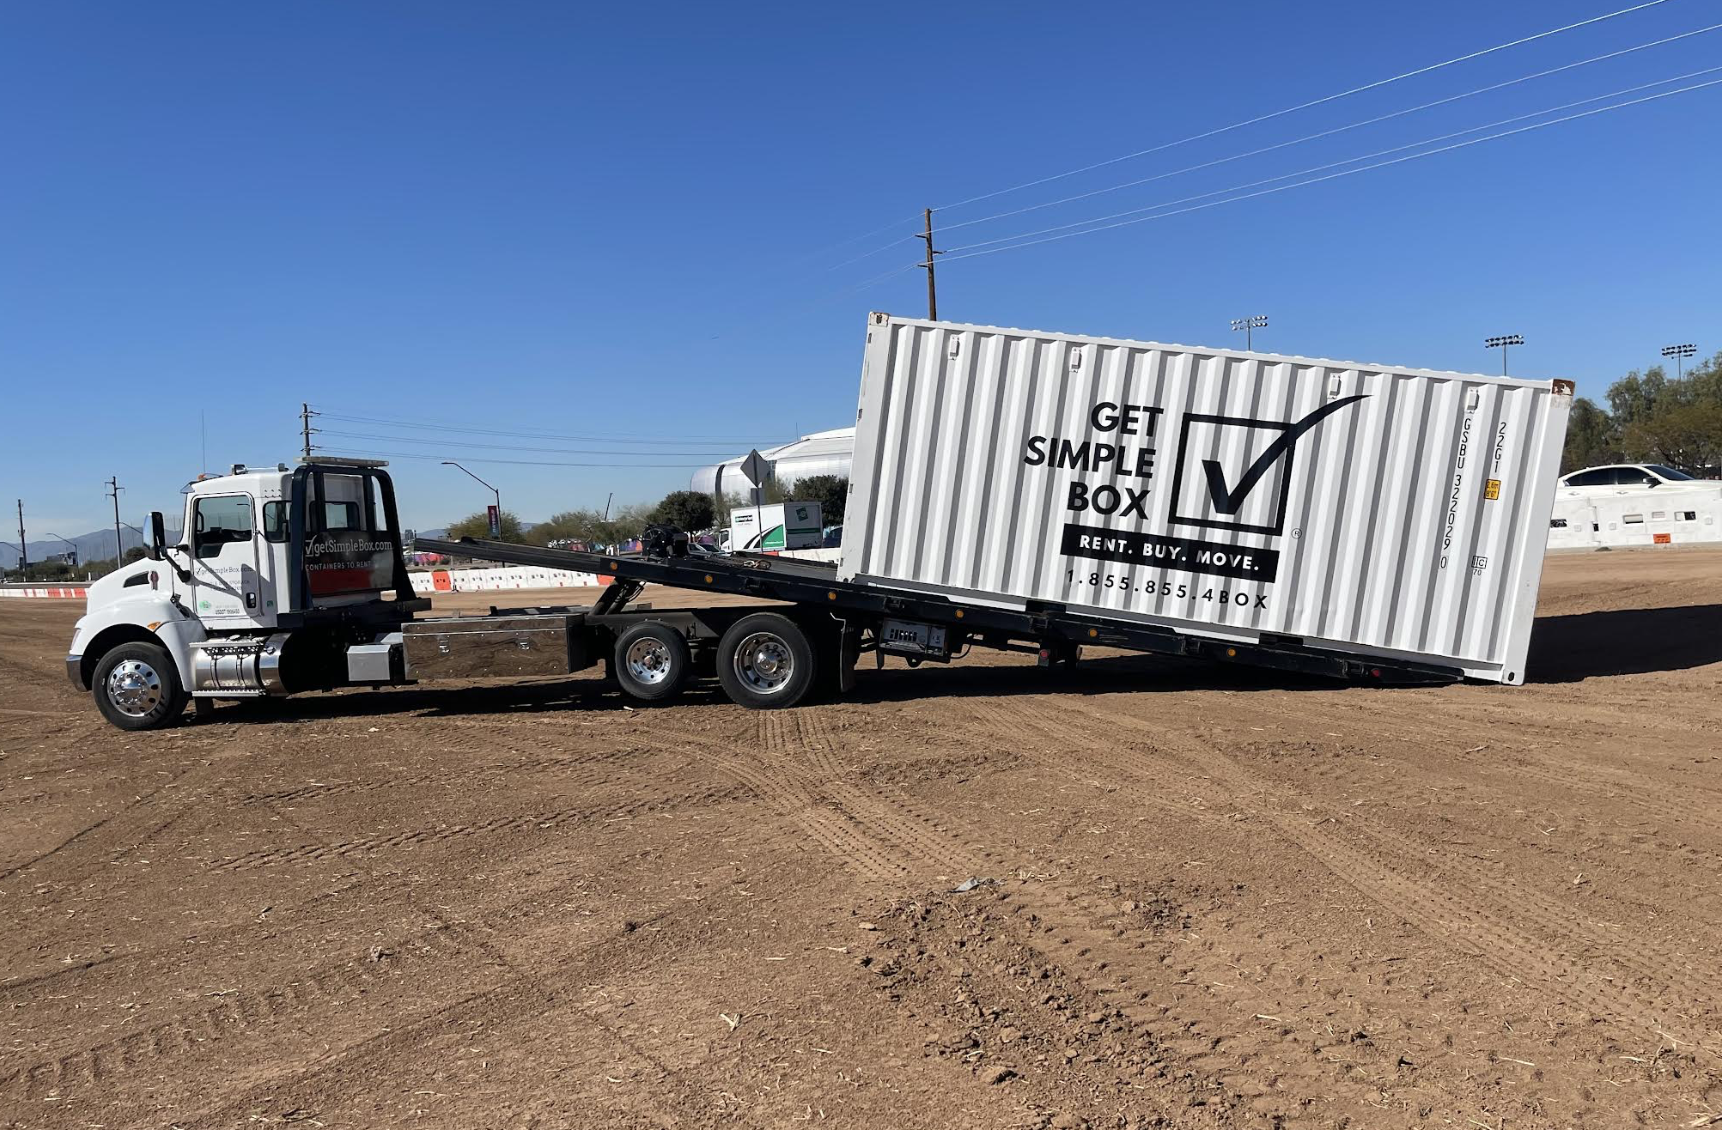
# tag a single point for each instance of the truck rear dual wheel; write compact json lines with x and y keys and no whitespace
{"x":137,"y":687}
{"x":766,"y":661}
{"x":652,"y":662}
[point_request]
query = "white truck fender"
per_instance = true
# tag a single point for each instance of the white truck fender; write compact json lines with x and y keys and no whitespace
{"x":129,"y":617}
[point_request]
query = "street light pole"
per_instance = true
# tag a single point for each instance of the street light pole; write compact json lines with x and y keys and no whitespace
{"x":23,"y":546}
{"x":1249,"y":326}
{"x":498,"y":494}
{"x":73,"y":544}
{"x":1501,"y":343}
{"x":1680,"y":353}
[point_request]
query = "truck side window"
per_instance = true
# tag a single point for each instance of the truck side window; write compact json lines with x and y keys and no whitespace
{"x":275,"y":521}
{"x":221,"y":520}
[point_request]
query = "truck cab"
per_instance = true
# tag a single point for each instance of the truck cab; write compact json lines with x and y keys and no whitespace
{"x":277,"y":574}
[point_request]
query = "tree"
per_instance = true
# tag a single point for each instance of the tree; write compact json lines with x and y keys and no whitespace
{"x":1677,"y":422}
{"x":1687,"y":437}
{"x":830,"y":491}
{"x":591,"y":527}
{"x":478,"y":526}
{"x":1634,"y":397}
{"x":1592,"y":437}
{"x":688,"y":510}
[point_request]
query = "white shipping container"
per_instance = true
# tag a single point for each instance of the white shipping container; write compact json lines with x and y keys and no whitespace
{"x":1371,"y":509}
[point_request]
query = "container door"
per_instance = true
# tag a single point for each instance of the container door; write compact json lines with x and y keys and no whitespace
{"x":226,"y":590}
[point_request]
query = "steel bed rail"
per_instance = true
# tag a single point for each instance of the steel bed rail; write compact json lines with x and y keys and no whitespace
{"x":815,"y":585}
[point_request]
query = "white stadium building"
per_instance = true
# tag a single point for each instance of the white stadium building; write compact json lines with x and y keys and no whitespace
{"x":822,"y":453}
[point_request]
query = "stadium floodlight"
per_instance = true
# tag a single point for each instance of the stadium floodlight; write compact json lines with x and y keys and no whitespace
{"x":1680,"y":353}
{"x":1249,"y":326}
{"x":1501,"y":342}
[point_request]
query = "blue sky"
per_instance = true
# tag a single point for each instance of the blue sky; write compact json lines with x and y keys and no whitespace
{"x":626,"y":220}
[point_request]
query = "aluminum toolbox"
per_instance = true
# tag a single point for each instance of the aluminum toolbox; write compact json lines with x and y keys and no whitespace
{"x":478,"y":647}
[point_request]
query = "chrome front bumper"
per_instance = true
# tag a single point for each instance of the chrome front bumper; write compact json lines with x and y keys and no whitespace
{"x":75,"y":671}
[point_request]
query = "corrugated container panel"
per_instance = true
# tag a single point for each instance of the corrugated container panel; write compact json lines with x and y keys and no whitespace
{"x":1377,"y":509}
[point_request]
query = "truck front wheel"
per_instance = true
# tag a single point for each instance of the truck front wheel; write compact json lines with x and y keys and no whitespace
{"x":137,"y":687}
{"x":652,"y":662}
{"x":765,"y":660}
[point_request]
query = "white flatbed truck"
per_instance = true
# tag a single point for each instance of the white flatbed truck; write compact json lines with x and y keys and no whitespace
{"x":293,"y":580}
{"x":1012,"y":490}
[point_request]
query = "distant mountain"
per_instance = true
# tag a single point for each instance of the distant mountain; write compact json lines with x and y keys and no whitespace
{"x":97,"y":545}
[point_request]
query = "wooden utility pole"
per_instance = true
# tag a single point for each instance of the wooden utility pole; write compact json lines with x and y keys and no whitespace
{"x":305,"y":415}
{"x":114,"y":489}
{"x":932,"y":284}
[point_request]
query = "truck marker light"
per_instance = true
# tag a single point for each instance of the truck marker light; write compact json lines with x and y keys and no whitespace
{"x":830,"y":596}
{"x":708,"y":578}
{"x":1093,"y":632}
{"x":612,"y":566}
{"x":152,"y":626}
{"x":959,"y":613}
{"x":1231,"y":653}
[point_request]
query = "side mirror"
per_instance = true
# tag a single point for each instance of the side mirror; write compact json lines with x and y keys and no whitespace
{"x":1652,"y":481}
{"x":157,"y":535}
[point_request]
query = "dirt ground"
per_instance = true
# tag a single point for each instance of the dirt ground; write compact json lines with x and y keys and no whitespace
{"x":1196,"y":897}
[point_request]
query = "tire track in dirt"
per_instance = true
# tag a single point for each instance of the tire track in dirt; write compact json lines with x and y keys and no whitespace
{"x":588,"y":770}
{"x":1102,"y":752}
{"x":519,"y":822}
{"x":1695,"y":807}
{"x":1071,"y":928}
{"x":523,"y":994}
{"x":797,"y":773}
{"x":1381,"y":863}
{"x":116,"y":835}
{"x":28,"y":984}
{"x":233,"y":1016}
{"x":1102,"y":948}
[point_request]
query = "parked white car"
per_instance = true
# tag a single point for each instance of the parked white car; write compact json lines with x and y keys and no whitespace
{"x":1620,"y":478}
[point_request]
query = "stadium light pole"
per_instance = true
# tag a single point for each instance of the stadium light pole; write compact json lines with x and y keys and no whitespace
{"x":1249,"y":326}
{"x":1501,"y":343}
{"x":1680,"y":353}
{"x":493,"y":491}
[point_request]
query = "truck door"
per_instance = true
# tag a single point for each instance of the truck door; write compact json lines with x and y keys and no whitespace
{"x":225,"y":587}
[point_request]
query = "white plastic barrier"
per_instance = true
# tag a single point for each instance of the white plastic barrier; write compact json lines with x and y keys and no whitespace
{"x":1663,"y":515}
{"x":62,"y":592}
{"x":502,"y":577}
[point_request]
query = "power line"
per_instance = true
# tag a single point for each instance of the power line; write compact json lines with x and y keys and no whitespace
{"x":1307,"y":105}
{"x":1237,"y":125}
{"x":1311,"y":137}
{"x":1334,"y":164}
{"x":698,"y":441}
{"x":441,"y":442}
{"x":1342,"y":173}
{"x":535,"y":462}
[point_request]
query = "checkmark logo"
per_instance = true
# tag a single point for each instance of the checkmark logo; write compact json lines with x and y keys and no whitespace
{"x":1212,"y":501}
{"x":1228,"y":499}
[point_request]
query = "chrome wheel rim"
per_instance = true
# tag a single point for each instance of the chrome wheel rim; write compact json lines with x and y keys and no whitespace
{"x":649,"y":661}
{"x":134,"y":688}
{"x":764,"y":663}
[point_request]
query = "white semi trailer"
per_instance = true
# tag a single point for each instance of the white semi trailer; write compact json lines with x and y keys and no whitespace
{"x":1012,"y":489}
